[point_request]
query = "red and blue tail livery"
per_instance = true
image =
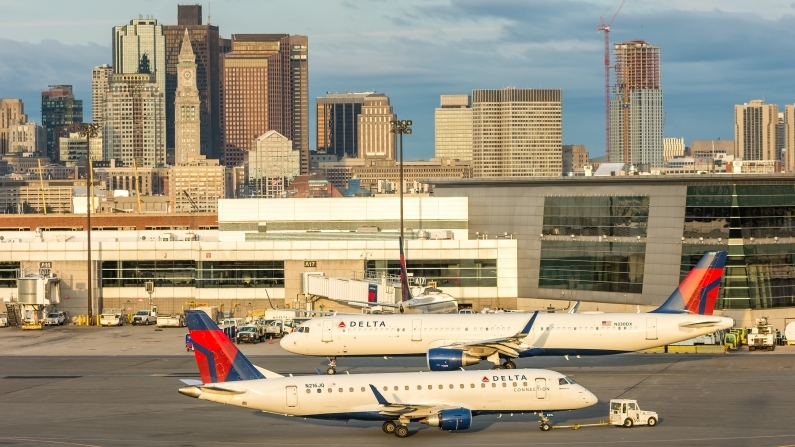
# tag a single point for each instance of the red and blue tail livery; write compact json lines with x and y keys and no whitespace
{"x":698,"y":292}
{"x":218,"y":358}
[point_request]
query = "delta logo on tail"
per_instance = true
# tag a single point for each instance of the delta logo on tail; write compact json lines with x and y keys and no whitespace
{"x":218,"y":358}
{"x":404,"y":280}
{"x":698,"y":292}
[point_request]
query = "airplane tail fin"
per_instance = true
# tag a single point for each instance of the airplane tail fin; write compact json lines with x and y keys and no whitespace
{"x":404,"y":279}
{"x":218,"y":358}
{"x":698,"y":292}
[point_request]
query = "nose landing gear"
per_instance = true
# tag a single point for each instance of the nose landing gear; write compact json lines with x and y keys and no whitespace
{"x":332,"y":366}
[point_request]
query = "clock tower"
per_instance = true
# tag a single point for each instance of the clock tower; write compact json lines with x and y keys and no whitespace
{"x":187,"y":107}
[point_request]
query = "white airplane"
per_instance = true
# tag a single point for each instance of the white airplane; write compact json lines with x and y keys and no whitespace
{"x":445,"y":400}
{"x":453,"y":341}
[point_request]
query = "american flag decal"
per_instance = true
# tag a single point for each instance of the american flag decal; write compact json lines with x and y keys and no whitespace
{"x":607,"y":323}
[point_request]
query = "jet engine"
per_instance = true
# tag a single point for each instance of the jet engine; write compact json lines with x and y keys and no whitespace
{"x":442,"y":359}
{"x":456,"y":419}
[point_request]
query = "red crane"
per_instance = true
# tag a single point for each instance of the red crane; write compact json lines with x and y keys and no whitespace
{"x":606,"y":28}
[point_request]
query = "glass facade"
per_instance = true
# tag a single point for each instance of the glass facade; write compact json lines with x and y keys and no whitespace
{"x":623,"y":216}
{"x":446,"y":273}
{"x":9,"y":271}
{"x":592,"y":265}
{"x":755,"y":222}
{"x":208,"y":274}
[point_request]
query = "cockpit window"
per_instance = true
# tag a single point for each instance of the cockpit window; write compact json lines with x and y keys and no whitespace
{"x":303,"y":329}
{"x":562,"y":381}
{"x":571,"y":381}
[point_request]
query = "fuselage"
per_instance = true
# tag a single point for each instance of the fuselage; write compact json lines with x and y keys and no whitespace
{"x":550,"y":334}
{"x":350,"y":396}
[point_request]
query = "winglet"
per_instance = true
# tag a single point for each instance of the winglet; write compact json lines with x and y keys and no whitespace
{"x":404,"y":277}
{"x":698,"y":292}
{"x":378,"y":396}
{"x":530,"y":323}
{"x":574,"y":308}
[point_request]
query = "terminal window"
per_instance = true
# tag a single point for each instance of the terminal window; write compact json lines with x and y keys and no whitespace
{"x":592,"y":265}
{"x":621,"y":216}
{"x":445,"y":273}
{"x":9,"y":271}
{"x":755,"y":223}
{"x":184,"y":273}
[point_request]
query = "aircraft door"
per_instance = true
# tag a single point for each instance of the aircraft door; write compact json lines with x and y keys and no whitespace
{"x":416,"y":330}
{"x":541,"y":389}
{"x":328,"y":325}
{"x":292,"y":396}
{"x":651,"y":328}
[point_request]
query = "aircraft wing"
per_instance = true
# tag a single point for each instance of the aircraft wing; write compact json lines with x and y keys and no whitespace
{"x":509,"y":346}
{"x":406,"y":409}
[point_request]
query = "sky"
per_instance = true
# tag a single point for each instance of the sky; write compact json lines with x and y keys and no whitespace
{"x":715,"y":53}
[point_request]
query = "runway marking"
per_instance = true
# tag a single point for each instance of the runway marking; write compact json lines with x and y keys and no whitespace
{"x":51,"y":442}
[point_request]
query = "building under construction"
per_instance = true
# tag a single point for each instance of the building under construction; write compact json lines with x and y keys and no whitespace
{"x":636,"y":112}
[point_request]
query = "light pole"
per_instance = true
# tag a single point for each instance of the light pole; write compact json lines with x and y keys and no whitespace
{"x":89,"y":130}
{"x":402,"y":127}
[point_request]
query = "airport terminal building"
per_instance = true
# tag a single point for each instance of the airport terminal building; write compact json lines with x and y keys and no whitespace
{"x":612,"y":242}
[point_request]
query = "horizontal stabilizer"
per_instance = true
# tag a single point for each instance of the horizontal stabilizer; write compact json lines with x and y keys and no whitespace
{"x":218,"y":390}
{"x":191,"y":382}
{"x":268,"y":373}
{"x":700,"y":324}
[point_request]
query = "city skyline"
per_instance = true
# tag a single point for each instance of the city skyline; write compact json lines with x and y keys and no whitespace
{"x":433,"y":46}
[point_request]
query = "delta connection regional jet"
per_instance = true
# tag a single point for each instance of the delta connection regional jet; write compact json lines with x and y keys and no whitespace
{"x":456,"y":340}
{"x":445,"y":400}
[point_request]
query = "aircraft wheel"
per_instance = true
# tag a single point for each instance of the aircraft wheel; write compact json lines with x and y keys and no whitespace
{"x":401,"y":431}
{"x":389,"y":427}
{"x":652,"y":422}
{"x":497,"y":367}
{"x":509,"y":365}
{"x":545,"y":426}
{"x":331,"y":371}
{"x":628,"y":422}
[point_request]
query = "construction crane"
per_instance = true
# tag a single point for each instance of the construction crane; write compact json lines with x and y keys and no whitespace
{"x":192,"y":203}
{"x":605,"y":27}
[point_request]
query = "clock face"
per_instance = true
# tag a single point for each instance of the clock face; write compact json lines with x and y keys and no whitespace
{"x":186,"y":74}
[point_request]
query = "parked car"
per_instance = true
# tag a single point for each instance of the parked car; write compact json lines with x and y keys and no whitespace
{"x":55,"y":319}
{"x":250,"y":333}
{"x":145,"y":317}
{"x":112,"y":317}
{"x":3,"y":319}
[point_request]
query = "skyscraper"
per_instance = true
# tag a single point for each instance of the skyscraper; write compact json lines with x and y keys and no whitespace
{"x":135,"y":119}
{"x":187,"y":106}
{"x":453,"y":128}
{"x":375,"y":124}
{"x":270,"y":165}
{"x":517,"y":133}
{"x":781,"y":137}
{"x":12,"y":112}
{"x":755,"y":130}
{"x":338,"y":123}
{"x":59,"y":108}
{"x":575,"y":157}
{"x":99,"y":85}
{"x":636,"y":113}
{"x":265,"y":88}
{"x":131,"y":42}
{"x":204,"y":41}
{"x":788,"y":158}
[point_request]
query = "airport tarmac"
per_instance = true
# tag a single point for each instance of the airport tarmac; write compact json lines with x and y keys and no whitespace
{"x":83,"y":386}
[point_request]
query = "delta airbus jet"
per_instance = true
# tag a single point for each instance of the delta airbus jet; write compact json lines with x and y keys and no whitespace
{"x":453,"y":341}
{"x":445,"y":400}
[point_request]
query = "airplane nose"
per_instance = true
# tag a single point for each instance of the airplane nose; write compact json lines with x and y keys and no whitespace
{"x":589,"y":397}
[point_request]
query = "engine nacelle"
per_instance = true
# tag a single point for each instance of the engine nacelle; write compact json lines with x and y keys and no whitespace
{"x":457,"y":419}
{"x":443,"y":359}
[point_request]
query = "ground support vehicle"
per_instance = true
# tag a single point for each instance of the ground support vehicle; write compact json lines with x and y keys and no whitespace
{"x":273,"y":328}
{"x":762,"y":336}
{"x":250,"y":333}
{"x":145,"y":317}
{"x":176,"y":320}
{"x":623,"y":413}
{"x":55,"y":319}
{"x":3,"y":320}
{"x":112,"y":317}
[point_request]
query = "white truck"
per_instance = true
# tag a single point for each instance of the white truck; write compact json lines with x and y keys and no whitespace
{"x":112,"y":317}
{"x":3,"y":319}
{"x":175,"y":320}
{"x":762,"y":336}
{"x":626,"y":413}
{"x":145,"y":317}
{"x":55,"y":319}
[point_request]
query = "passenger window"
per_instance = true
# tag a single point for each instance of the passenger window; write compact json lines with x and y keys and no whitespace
{"x":396,"y":388}
{"x":504,"y":384}
{"x":307,"y":390}
{"x":330,"y":390}
{"x":524,"y":383}
{"x":386,"y":388}
{"x":320,"y":390}
{"x":419,"y":387}
{"x":472,"y":385}
{"x":441,"y":386}
{"x":407,"y":387}
{"x":514,"y":384}
{"x":493,"y":385}
{"x":351,"y":390}
{"x":483,"y":385}
{"x":462,"y":385}
{"x":339,"y":390}
{"x":451,"y":385}
{"x":430,"y":387}
{"x":362,"y":389}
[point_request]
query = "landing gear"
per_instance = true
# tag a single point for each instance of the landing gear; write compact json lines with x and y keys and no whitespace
{"x":332,"y":366}
{"x":389,"y":427}
{"x":544,"y":424}
{"x":497,"y":366}
{"x":509,"y":365}
{"x":401,"y":431}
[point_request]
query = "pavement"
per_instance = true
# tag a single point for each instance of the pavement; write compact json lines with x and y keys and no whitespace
{"x":81,"y":386}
